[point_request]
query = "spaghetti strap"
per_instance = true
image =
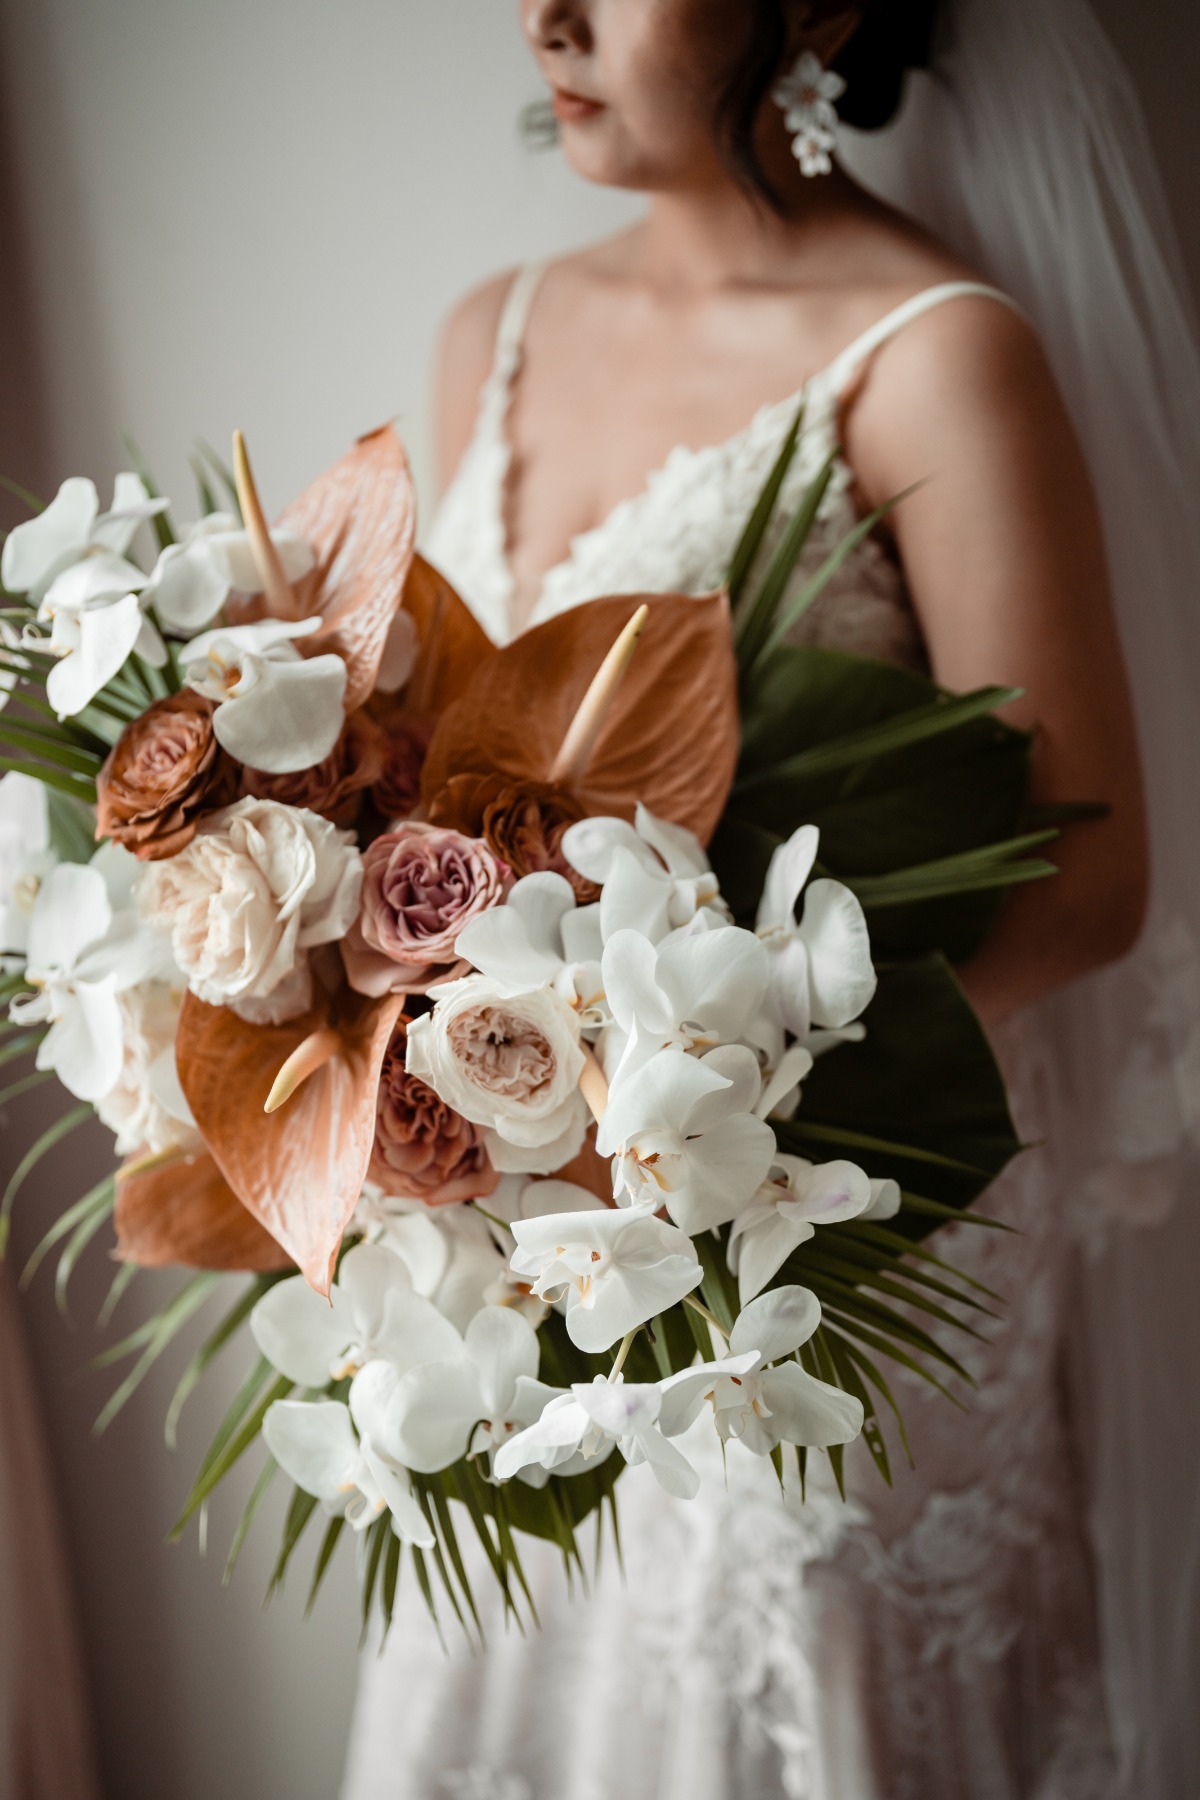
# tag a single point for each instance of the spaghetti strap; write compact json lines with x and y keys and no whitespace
{"x":514,"y":316}
{"x":839,"y":373}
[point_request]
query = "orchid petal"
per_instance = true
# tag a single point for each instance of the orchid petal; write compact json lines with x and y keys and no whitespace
{"x":591,"y":844}
{"x":662,"y":1094}
{"x":504,"y":1347}
{"x":739,"y":1067}
{"x":290,"y":719}
{"x":716,"y":977}
{"x":790,"y":868}
{"x":35,"y":551}
{"x":106,"y":638}
{"x":841,"y":976}
{"x":96,"y":578}
{"x":680,"y":849}
{"x":629,"y":972}
{"x":636,"y":897}
{"x":410,"y":1521}
{"x":671,"y":1468}
{"x":793,"y":1066}
{"x":131,"y":506}
{"x":84,"y":1045}
{"x":186,"y":587}
{"x":301,"y":1334}
{"x":776,"y":1323}
{"x":72,"y":911}
{"x":684,"y":1393}
{"x":760,"y":1244}
{"x":432,"y":1412}
{"x":314,"y":1443}
{"x":807,"y":1411}
{"x":885,"y":1200}
{"x":725,"y":1166}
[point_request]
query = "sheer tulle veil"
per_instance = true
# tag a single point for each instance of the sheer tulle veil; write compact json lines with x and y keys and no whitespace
{"x":1024,"y":149}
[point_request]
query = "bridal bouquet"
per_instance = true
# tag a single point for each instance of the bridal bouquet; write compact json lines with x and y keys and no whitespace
{"x":509,"y":1017}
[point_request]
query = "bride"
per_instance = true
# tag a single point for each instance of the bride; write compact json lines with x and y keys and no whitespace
{"x":605,"y":424}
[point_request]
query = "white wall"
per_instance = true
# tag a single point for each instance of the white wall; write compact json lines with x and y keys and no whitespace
{"x":253,"y":212}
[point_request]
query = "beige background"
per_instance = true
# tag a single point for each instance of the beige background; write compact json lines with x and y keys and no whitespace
{"x":253,"y":212}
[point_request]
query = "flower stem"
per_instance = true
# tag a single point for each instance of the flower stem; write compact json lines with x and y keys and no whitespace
{"x":623,"y":1352}
{"x":698,"y":1306}
{"x":500,"y":1224}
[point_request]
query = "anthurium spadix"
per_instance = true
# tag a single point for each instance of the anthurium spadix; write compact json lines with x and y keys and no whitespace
{"x":611,"y":1269}
{"x":314,"y":1442}
{"x":821,"y":970}
{"x":276,"y":710}
{"x":766,"y":1399}
{"x":682,"y":1134}
{"x":785,"y":1213}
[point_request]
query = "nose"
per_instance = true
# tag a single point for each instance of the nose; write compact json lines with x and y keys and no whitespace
{"x":557,"y":24}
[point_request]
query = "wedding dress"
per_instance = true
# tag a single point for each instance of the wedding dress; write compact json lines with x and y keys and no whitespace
{"x":932,"y":1642}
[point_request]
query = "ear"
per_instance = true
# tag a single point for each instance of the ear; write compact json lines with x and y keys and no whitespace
{"x":823,"y":26}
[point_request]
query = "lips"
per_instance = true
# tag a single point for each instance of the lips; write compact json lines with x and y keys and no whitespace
{"x":572,"y":109}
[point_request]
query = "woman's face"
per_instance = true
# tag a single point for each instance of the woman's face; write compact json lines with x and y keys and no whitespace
{"x":635,"y":83}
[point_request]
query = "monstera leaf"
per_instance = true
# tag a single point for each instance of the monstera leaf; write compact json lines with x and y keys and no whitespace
{"x":669,"y":738}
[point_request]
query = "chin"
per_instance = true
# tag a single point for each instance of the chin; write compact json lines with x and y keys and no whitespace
{"x":594,"y":157}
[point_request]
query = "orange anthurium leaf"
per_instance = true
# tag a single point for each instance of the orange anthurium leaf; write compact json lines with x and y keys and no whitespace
{"x":452,"y":643}
{"x":299,"y":1169}
{"x":669,"y":738}
{"x":185,"y":1212}
{"x":360,"y":518}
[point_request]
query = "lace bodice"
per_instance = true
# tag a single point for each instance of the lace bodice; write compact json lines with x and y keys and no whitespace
{"x":678,"y":533}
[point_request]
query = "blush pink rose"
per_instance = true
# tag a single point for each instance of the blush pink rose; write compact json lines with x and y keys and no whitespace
{"x":421,"y":884}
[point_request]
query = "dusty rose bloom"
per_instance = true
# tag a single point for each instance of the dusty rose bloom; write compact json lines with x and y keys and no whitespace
{"x":423,"y":1149}
{"x":334,"y":787}
{"x":163,"y":774}
{"x":397,"y":791}
{"x":421,"y":884}
{"x":523,"y":821}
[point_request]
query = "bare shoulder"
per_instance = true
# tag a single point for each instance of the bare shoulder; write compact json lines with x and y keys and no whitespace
{"x":466,"y":347}
{"x":970,"y":368}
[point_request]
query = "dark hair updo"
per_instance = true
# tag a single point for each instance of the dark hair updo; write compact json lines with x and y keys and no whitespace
{"x":893,"y":37}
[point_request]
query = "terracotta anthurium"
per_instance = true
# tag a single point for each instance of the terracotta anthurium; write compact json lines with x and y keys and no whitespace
{"x":298,"y":1170}
{"x":182,"y":1210}
{"x":667,"y":725}
{"x":359,"y":518}
{"x":451,"y":643}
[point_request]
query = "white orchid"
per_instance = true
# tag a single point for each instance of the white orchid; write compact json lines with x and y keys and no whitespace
{"x":759,"y":1404}
{"x":785,"y":1213}
{"x":885,"y":1200}
{"x":470,"y":1402}
{"x":699,"y":988}
{"x":276,"y":710}
{"x":71,"y":561}
{"x":654,"y":877}
{"x":26,"y":857}
{"x":612,"y":1268}
{"x":84,"y":949}
{"x":820,"y":969}
{"x":682,"y":1134}
{"x":578,"y":1430}
{"x":193,"y":578}
{"x":540,"y":937}
{"x":71,"y":529}
{"x":314,"y":1443}
{"x":373,"y":1313}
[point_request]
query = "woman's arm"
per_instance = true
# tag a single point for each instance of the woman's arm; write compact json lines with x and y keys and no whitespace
{"x":1005,"y":562}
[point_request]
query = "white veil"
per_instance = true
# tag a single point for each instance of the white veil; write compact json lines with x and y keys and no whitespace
{"x":1024,"y":149}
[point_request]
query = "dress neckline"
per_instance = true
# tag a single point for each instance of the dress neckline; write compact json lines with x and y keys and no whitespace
{"x":821,"y":396}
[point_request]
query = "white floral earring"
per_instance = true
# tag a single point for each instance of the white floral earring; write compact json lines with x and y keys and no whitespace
{"x":807,"y":94}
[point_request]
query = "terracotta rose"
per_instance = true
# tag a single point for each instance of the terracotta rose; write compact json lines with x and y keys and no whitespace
{"x":163,"y":774}
{"x":423,"y":1149}
{"x":523,"y":821}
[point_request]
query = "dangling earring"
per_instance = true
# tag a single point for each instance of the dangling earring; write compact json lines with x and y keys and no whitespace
{"x":807,"y":94}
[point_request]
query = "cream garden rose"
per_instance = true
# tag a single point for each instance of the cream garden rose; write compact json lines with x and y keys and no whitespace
{"x":147,"y":1110}
{"x":508,"y":1062}
{"x":258,"y":887}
